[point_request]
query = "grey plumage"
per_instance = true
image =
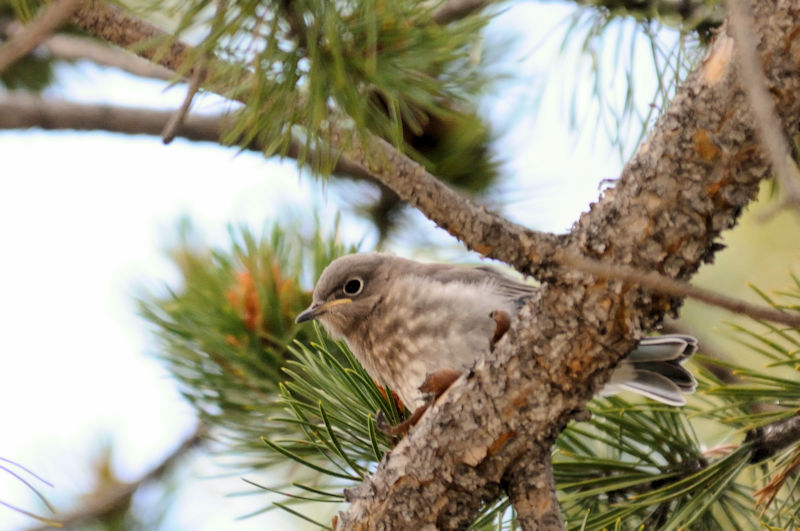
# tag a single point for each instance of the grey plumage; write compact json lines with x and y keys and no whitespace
{"x":407,"y":319}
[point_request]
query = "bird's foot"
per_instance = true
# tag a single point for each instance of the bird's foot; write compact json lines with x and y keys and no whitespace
{"x":438,"y":381}
{"x":502,"y":322}
{"x":402,"y":427}
{"x":434,"y":386}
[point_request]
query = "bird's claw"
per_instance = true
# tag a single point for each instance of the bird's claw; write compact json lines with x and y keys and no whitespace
{"x":435,"y":384}
{"x":502,"y":322}
{"x":438,"y":381}
{"x":402,"y":427}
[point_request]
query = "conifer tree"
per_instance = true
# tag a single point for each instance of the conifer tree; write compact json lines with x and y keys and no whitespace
{"x":386,"y":92}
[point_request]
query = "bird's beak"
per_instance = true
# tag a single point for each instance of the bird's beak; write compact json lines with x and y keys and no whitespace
{"x":315,"y":310}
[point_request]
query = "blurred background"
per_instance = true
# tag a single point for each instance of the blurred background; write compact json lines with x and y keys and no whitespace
{"x":87,"y":220}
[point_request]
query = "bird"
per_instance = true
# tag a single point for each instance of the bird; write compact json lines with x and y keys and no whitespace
{"x":405,"y":320}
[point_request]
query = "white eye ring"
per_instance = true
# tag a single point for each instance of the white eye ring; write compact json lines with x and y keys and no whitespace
{"x":353,"y":286}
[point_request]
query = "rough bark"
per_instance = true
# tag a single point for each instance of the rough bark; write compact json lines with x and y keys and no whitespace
{"x":112,"y":24}
{"x":531,"y":489}
{"x":688,"y":182}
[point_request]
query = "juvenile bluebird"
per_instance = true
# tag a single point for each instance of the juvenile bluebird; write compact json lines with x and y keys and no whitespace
{"x":404,"y":320}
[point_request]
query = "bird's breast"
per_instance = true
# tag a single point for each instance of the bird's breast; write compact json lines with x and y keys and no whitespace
{"x":422,"y":326}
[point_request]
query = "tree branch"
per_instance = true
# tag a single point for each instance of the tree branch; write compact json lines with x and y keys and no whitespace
{"x":51,"y":17}
{"x":112,"y":24}
{"x":665,"y":285}
{"x":532,"y":492}
{"x":768,"y":124}
{"x":179,"y":116}
{"x":71,"y":48}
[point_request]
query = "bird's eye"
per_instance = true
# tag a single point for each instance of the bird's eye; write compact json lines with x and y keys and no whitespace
{"x":353,"y":286}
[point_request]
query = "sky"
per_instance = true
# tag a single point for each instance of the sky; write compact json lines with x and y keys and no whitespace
{"x":85,"y":219}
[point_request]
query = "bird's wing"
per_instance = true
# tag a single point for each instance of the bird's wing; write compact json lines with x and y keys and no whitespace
{"x":507,"y":287}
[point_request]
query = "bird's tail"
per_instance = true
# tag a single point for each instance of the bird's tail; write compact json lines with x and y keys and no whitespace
{"x":654,"y":369}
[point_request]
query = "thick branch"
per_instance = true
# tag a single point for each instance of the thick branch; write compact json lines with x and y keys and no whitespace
{"x":532,"y":492}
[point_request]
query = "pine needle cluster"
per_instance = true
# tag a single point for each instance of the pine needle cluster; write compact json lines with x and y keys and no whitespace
{"x":228,"y":331}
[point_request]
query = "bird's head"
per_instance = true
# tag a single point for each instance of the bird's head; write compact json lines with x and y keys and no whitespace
{"x":348,"y":290}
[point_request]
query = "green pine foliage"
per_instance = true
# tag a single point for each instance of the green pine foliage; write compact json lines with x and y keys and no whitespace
{"x":228,"y":330}
{"x":298,"y":65}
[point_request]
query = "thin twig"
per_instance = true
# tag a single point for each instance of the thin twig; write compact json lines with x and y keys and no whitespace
{"x":51,"y":17}
{"x":118,"y":496}
{"x":72,"y":48}
{"x":670,"y":286}
{"x":179,"y":116}
{"x":767,"y":123}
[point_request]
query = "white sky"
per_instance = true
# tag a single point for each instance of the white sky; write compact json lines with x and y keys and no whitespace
{"x":84,"y":219}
